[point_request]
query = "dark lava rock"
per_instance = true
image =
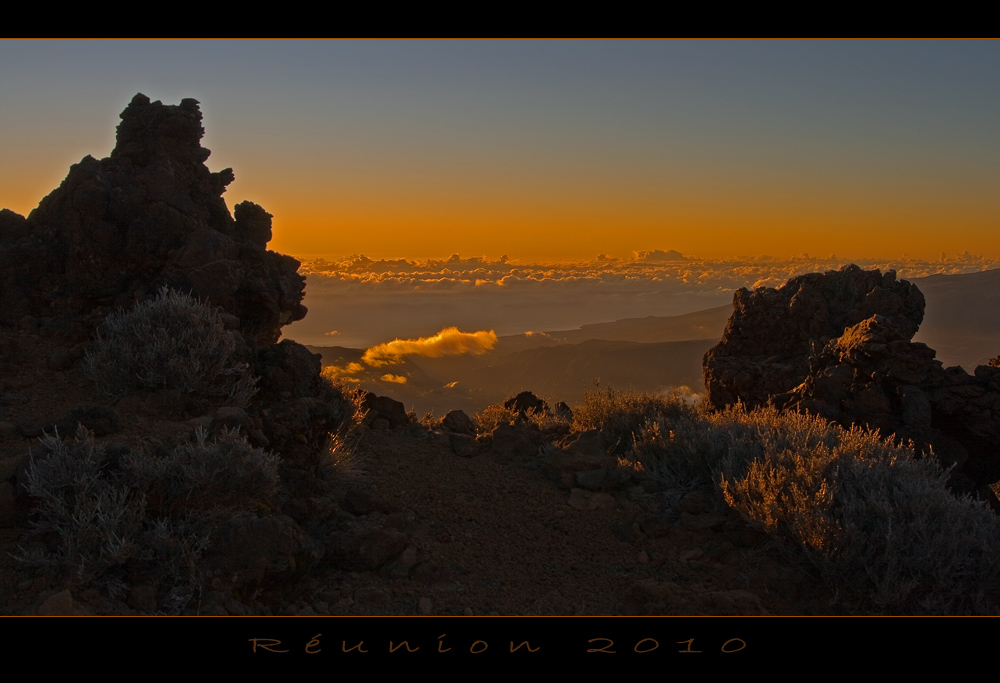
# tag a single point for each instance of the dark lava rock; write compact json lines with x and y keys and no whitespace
{"x":458,"y":422}
{"x":385,"y":408}
{"x":526,"y":402}
{"x":766,"y":347}
{"x":838,"y":344}
{"x":151,"y":214}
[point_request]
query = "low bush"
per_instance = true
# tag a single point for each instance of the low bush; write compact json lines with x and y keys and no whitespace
{"x":490,"y":417}
{"x":880,"y":524}
{"x":142,"y":516}
{"x":877,"y":521}
{"x":623,"y":415}
{"x":170,"y":342}
{"x":683,"y":451}
{"x":224,"y":475}
{"x":96,"y":519}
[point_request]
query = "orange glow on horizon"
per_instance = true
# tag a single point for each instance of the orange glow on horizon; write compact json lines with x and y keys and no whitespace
{"x":723,"y":233}
{"x":567,"y":221}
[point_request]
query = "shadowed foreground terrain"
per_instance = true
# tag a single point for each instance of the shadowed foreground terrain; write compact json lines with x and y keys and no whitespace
{"x":160,"y":453}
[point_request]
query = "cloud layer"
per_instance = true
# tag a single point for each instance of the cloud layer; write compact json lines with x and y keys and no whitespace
{"x":667,"y":267}
{"x":448,"y":342}
{"x":370,"y":301}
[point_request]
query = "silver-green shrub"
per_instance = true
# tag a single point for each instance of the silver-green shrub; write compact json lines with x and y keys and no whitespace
{"x":226,"y":474}
{"x":96,"y":518}
{"x":878,"y":522}
{"x":146,"y":515}
{"x":170,"y":342}
{"x":623,"y":415}
{"x":681,"y":451}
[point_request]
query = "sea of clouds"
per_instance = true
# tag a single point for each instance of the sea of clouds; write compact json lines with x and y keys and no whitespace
{"x":360,"y":302}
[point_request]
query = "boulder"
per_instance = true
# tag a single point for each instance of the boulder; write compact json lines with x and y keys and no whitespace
{"x":383,"y":407}
{"x":458,"y":422}
{"x":526,"y":402}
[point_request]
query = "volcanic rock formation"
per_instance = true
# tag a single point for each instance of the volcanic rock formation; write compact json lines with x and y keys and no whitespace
{"x":148,"y":219}
{"x":151,"y":214}
{"x":838,"y":344}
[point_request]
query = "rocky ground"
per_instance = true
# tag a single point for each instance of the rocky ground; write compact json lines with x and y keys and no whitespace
{"x":492,"y":538}
{"x":410,"y":527}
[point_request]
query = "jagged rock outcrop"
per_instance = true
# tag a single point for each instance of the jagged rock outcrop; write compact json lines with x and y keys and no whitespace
{"x":838,"y":344}
{"x":116,"y":232}
{"x":151,"y":214}
{"x":766,"y":347}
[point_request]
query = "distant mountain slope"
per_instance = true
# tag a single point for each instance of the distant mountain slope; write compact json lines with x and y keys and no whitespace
{"x":706,"y":324}
{"x":558,"y":373}
{"x":564,"y":372}
{"x":962,"y":318}
{"x":961,"y":322}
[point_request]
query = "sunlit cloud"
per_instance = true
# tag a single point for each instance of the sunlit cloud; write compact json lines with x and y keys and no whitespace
{"x":346,"y":373}
{"x":332,"y":333}
{"x":448,"y":342}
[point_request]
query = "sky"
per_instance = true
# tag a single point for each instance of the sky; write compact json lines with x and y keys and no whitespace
{"x":547,"y":151}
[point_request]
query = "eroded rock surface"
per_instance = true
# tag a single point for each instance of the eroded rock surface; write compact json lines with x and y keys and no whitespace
{"x":117,"y":231}
{"x":151,"y":214}
{"x":766,"y":347}
{"x":838,"y":344}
